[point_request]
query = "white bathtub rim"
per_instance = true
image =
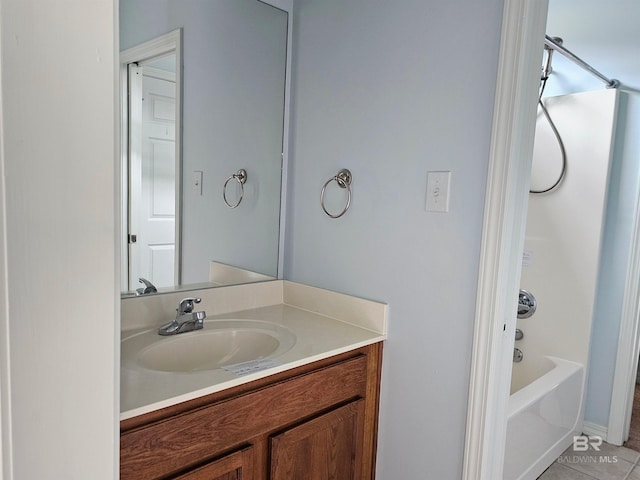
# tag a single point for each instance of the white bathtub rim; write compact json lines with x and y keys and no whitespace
{"x":537,"y":389}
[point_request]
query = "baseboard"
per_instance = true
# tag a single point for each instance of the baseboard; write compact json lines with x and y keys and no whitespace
{"x":594,"y":430}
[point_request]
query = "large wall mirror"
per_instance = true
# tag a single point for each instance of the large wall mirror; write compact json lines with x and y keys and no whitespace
{"x":203,"y":85}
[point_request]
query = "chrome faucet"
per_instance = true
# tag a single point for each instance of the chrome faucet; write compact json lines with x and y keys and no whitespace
{"x":148,"y":287}
{"x":186,"y":319}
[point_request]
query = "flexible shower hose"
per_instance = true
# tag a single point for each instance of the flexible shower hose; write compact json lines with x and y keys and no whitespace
{"x":558,"y":137}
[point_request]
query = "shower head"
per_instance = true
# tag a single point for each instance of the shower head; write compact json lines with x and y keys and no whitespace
{"x":546,"y":69}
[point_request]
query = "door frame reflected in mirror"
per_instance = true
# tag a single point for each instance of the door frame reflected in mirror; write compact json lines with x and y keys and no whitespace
{"x":165,"y":45}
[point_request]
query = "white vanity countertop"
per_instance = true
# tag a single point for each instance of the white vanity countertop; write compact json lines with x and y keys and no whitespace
{"x":318,"y":336}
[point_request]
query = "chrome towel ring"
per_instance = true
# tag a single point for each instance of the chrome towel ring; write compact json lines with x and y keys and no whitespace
{"x":240,"y":177}
{"x":343,"y":179}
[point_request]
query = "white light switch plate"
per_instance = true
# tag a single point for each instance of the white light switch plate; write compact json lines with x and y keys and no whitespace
{"x":438,"y":191}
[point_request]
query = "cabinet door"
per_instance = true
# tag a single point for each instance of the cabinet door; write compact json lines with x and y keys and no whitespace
{"x":236,"y":466}
{"x":328,"y":447}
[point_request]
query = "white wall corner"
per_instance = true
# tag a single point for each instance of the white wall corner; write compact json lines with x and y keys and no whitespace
{"x":6,"y":472}
{"x":57,"y":232}
{"x":6,"y":458}
{"x":5,"y":396}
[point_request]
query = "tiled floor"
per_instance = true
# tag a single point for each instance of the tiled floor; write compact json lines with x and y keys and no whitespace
{"x":610,"y":463}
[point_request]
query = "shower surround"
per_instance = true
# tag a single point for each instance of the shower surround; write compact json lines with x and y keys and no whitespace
{"x":560,"y":268}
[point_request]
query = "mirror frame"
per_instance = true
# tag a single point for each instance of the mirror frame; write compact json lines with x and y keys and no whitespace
{"x":287,"y":7}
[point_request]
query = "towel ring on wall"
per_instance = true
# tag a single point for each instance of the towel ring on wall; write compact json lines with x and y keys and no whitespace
{"x":343,"y":179}
{"x":240,"y":177}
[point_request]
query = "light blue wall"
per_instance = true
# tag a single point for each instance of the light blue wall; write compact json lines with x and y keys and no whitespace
{"x":606,"y":35}
{"x":392,"y":90}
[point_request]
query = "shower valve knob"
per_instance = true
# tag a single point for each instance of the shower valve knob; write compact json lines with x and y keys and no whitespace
{"x":526,"y":304}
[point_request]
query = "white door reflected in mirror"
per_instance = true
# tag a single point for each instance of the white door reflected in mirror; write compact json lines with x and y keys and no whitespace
{"x":150,"y":82}
{"x":152,"y":172}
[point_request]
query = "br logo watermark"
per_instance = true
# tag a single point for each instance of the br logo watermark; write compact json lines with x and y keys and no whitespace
{"x":581,"y":443}
{"x":592,"y":445}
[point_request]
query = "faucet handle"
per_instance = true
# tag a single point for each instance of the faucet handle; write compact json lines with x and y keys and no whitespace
{"x":186,"y":304}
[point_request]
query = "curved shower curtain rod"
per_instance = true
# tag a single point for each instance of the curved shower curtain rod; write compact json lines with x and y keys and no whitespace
{"x":551,"y":43}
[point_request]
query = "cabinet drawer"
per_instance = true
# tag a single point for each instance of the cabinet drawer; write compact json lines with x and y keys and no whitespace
{"x":189,"y":439}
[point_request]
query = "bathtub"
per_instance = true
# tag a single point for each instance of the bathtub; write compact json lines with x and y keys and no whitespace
{"x":543,"y":416}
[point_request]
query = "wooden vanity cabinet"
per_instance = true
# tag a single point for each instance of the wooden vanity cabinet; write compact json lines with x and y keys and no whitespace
{"x":315,"y":422}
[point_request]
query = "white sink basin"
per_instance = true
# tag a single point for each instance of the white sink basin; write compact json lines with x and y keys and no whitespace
{"x":218,"y":344}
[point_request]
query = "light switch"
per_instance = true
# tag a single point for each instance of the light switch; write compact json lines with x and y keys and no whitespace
{"x":197,"y":182}
{"x":438,"y":191}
